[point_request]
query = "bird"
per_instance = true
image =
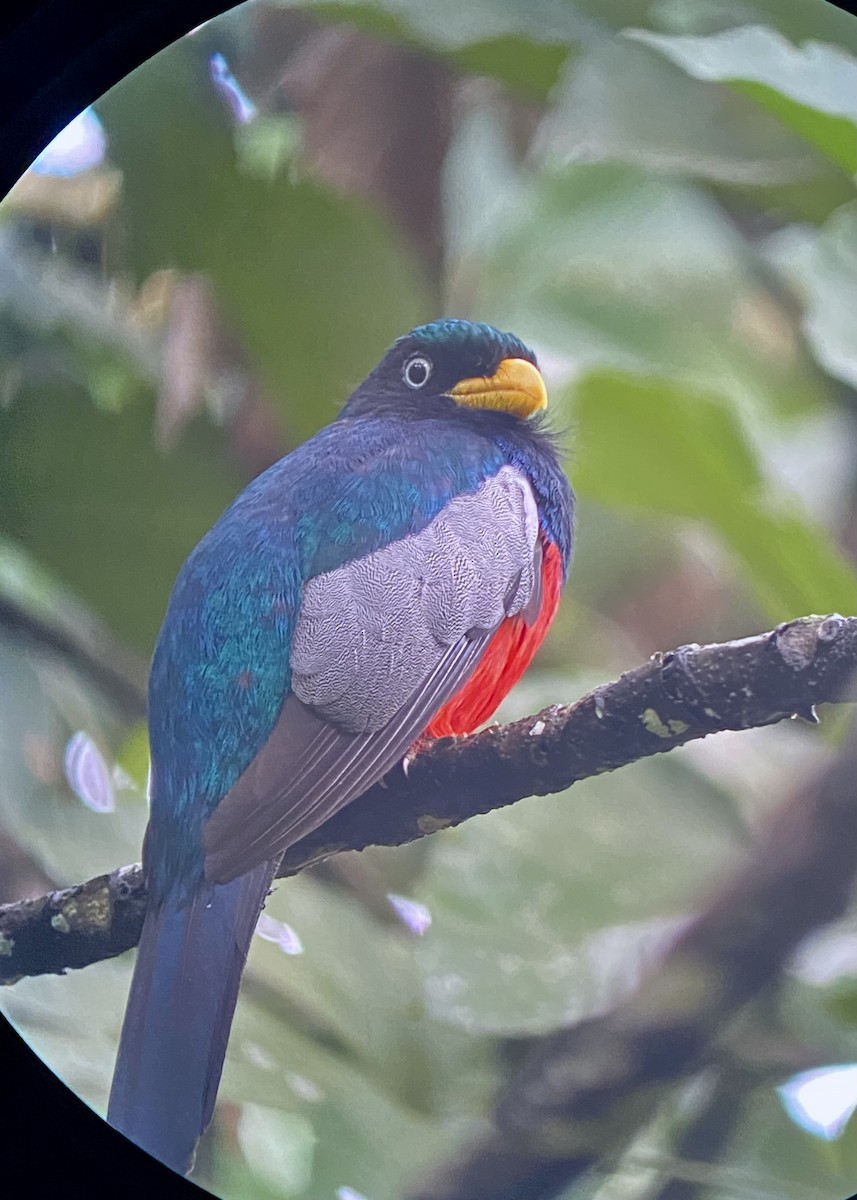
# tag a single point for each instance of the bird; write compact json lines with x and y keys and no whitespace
{"x":384,"y":584}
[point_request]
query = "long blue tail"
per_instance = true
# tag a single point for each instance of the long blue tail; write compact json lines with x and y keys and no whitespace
{"x":180,"y":1008}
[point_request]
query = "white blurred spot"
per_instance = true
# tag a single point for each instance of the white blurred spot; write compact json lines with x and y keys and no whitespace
{"x":347,"y":1193}
{"x":537,"y":728}
{"x":123,"y":780}
{"x":822,"y":1100}
{"x":258,"y":1056}
{"x":280,"y":933}
{"x":412,"y":914}
{"x":620,"y":957}
{"x":304,"y":1088}
{"x":81,"y":145}
{"x":88,"y":774}
{"x":278,"y":1148}
{"x":444,"y":987}
{"x":828,"y":955}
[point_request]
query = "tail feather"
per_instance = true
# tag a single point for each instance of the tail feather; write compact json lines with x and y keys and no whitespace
{"x":180,"y":1008}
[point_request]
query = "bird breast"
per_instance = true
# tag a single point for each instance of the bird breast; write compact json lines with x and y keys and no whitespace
{"x":368,"y":633}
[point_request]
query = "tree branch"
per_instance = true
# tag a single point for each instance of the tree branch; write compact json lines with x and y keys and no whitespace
{"x":672,"y":699}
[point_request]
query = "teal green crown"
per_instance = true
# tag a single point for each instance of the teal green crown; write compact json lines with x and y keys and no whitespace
{"x":455,"y":333}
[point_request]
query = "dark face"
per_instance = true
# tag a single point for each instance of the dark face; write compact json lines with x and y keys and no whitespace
{"x":454,"y":362}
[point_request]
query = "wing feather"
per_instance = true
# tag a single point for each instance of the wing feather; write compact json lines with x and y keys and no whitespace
{"x":308,"y":769}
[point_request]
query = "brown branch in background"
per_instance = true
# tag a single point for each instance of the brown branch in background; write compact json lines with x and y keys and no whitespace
{"x":376,"y":122}
{"x":86,"y":646}
{"x":705,"y":1138}
{"x":20,"y":873}
{"x":586,"y":1090}
{"x":672,"y":699}
{"x":204,"y":355}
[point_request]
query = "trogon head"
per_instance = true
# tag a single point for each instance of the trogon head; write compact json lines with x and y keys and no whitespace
{"x":452,"y":364}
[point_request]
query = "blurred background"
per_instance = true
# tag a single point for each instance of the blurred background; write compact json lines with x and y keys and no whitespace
{"x":657,"y":195}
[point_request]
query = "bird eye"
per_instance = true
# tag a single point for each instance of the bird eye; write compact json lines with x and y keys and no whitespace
{"x":416,"y":371}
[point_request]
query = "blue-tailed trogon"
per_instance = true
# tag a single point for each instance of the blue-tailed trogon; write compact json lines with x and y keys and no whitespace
{"x":389,"y":580}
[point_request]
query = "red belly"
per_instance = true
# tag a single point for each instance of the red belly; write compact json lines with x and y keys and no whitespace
{"x":509,"y":653}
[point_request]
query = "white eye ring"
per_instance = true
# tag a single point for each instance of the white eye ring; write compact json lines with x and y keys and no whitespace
{"x":417,"y":371}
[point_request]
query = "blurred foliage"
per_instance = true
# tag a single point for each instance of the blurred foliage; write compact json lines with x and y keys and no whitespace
{"x":104,"y":514}
{"x":810,"y":90}
{"x":313,"y":283}
{"x":660,"y":198}
{"x":514,"y":951}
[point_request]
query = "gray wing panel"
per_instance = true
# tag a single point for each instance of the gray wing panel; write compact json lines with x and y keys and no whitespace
{"x":308,"y":769}
{"x":368,"y":633}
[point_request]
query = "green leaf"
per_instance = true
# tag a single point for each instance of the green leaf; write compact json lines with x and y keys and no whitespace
{"x":132,"y":755}
{"x":544,"y":912}
{"x":335,"y":978}
{"x":822,"y":266}
{"x":89,"y":495}
{"x":807,"y":1014}
{"x":834,"y":136}
{"x":666,"y":121}
{"x":797,"y":19}
{"x":444,"y":22}
{"x":287,"y":1055}
{"x":812,"y":90}
{"x":278,"y":1147}
{"x":448,"y":25}
{"x":317,"y":286}
{"x":647,"y":444}
{"x":842,"y":1004}
{"x":331,"y":989}
{"x":523,"y":65}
